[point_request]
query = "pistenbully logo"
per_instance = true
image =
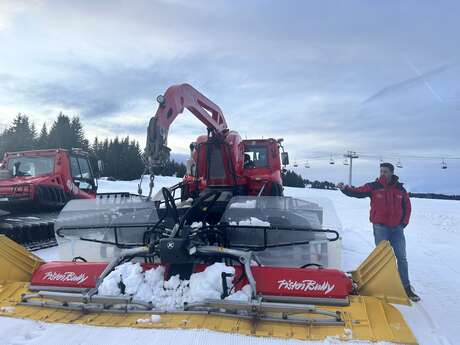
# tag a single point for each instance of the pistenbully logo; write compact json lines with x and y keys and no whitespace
{"x":66,"y":277}
{"x":306,"y":285}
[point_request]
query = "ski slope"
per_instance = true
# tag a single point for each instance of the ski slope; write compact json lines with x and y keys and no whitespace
{"x":432,"y":239}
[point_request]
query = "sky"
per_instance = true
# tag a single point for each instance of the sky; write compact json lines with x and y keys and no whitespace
{"x":379,"y":78}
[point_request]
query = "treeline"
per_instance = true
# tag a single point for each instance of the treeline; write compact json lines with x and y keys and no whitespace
{"x":292,"y":179}
{"x":172,"y":168}
{"x":434,"y":196}
{"x":320,"y":184}
{"x":22,"y":135}
{"x":122,"y":158}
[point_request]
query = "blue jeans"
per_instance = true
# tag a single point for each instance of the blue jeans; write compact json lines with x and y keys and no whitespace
{"x":397,"y":240}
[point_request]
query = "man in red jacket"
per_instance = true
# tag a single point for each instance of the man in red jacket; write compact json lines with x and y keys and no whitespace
{"x":390,"y":214}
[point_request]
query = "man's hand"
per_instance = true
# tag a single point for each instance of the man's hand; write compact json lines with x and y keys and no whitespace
{"x":341,"y":186}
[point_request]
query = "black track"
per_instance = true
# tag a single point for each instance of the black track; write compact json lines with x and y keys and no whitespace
{"x":33,"y":230}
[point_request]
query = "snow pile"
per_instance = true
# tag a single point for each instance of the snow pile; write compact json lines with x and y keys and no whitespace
{"x":129,"y":274}
{"x":152,"y":319}
{"x":172,"y":294}
{"x":7,"y":309}
{"x":241,"y":295}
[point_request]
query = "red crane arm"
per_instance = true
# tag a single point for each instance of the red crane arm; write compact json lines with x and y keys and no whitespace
{"x":175,"y":100}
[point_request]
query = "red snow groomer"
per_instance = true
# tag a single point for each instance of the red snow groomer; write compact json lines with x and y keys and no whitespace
{"x":282,"y":252}
{"x":35,"y":185}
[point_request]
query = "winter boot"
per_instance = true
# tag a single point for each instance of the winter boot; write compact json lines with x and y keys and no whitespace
{"x":411,"y":294}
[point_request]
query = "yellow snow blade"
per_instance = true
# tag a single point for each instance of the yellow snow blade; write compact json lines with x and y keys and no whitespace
{"x":16,"y":262}
{"x":378,"y":276}
{"x":365,"y":318}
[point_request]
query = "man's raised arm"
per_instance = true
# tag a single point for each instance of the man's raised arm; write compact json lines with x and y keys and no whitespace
{"x":356,"y":192}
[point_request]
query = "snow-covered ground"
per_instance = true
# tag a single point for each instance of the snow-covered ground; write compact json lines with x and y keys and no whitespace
{"x":432,"y":238}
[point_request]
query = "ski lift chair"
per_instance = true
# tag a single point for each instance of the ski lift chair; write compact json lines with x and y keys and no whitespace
{"x":443,"y":164}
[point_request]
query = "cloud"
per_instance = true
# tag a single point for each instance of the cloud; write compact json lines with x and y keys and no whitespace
{"x":326,"y":76}
{"x":10,"y":9}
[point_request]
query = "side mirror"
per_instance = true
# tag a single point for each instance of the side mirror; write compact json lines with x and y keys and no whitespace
{"x":100,"y":166}
{"x":284,"y":158}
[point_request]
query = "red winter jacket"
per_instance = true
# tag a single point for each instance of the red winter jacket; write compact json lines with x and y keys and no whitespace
{"x":390,"y":203}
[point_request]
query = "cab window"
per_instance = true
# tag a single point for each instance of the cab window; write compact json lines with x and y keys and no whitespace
{"x":31,"y":166}
{"x":75,"y":169}
{"x":85,"y":170}
{"x":81,"y":172}
{"x":255,"y":156}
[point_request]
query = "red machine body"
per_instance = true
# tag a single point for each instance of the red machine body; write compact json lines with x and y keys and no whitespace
{"x":45,"y":178}
{"x":222,"y":164}
{"x":302,"y":282}
{"x":220,"y":159}
{"x":68,"y":274}
{"x":271,"y":281}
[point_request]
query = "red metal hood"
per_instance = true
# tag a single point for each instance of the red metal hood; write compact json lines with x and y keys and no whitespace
{"x":271,"y":281}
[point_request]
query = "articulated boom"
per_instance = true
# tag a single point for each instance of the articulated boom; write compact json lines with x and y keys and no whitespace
{"x":175,"y":100}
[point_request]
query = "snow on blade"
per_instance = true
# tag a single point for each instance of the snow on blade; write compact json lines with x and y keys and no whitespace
{"x":171,"y":294}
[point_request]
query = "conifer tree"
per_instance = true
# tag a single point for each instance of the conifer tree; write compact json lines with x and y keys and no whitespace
{"x":78,"y":135}
{"x":21,"y":135}
{"x":61,"y":135}
{"x":42,"y":141}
